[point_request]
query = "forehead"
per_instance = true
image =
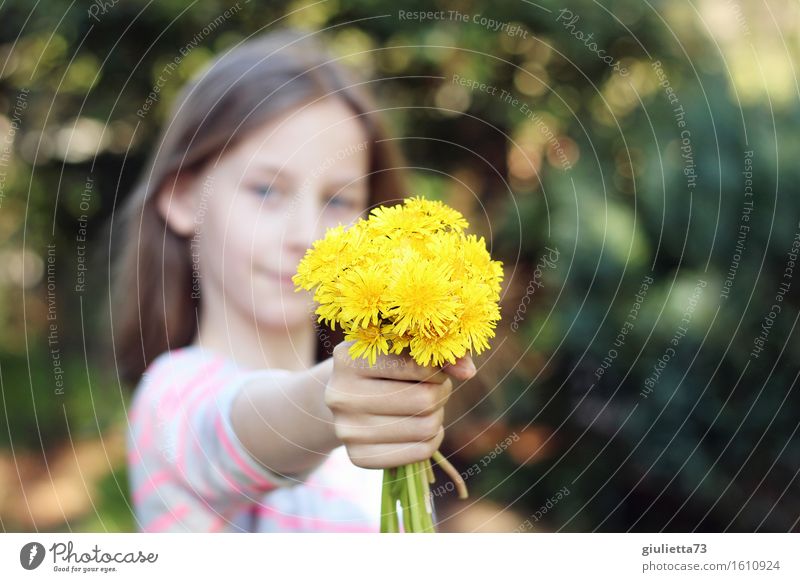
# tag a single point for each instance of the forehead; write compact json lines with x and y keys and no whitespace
{"x":326,"y":136}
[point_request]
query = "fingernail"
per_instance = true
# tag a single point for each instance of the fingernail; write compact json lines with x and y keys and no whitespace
{"x":471,"y":370}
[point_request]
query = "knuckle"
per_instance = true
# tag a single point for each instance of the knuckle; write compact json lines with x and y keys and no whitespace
{"x":421,"y":451}
{"x":434,"y":444}
{"x":415,"y":371}
{"x":434,"y":402}
{"x":428,"y":400}
{"x":340,"y":353}
{"x":447,"y":387}
{"x":342,"y":432}
{"x":430,"y":427}
{"x":361,"y":457}
{"x":425,"y":450}
{"x":354,"y":452}
{"x":443,"y":393}
{"x":439,"y":437}
{"x":333,"y":397}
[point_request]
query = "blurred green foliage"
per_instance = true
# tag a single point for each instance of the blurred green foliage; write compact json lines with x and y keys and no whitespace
{"x":598,"y":173}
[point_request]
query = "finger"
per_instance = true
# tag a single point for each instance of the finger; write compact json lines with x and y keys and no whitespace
{"x":403,"y":367}
{"x":388,"y":366}
{"x":380,"y":429}
{"x":463,"y":369}
{"x":389,"y":397}
{"x":391,"y":455}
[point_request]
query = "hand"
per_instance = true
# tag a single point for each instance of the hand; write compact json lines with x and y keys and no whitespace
{"x":390,"y":413}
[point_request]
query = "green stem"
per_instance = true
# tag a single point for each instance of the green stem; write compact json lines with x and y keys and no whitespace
{"x":429,"y":471}
{"x":388,"y":504}
{"x":402,"y":495}
{"x":425,"y":498}
{"x":410,"y":485}
{"x":461,"y":487}
{"x":413,"y":498}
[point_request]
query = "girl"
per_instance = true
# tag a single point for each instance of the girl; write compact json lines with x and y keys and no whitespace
{"x":244,"y":419}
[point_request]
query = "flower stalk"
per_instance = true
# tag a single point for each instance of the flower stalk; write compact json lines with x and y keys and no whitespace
{"x":407,"y":279}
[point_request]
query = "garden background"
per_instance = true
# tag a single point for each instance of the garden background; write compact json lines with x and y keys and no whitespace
{"x":635,"y":167}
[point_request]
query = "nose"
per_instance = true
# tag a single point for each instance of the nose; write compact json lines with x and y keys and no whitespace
{"x":300,"y":227}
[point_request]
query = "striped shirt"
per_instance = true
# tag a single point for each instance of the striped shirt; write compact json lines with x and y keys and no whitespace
{"x":189,"y":472}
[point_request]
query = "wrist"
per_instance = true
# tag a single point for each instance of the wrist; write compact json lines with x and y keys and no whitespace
{"x":320,"y":375}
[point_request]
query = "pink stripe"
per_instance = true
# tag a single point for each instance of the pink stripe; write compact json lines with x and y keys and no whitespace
{"x":182,"y":456}
{"x":134,"y":456}
{"x":151,"y":484}
{"x":196,"y":399}
{"x":180,"y":465}
{"x":134,"y":415}
{"x":206,"y":492}
{"x":330,"y":493}
{"x":160,"y":523}
{"x":195,"y":451}
{"x":232,"y":484}
{"x":218,"y":523}
{"x":146,"y":439}
{"x":319,"y":524}
{"x":147,"y":436}
{"x":259,"y":480}
{"x":169,"y":399}
{"x":174,"y":398}
{"x":171,"y":364}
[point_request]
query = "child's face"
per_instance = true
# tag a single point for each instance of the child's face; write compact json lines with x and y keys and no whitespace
{"x":266,"y":201}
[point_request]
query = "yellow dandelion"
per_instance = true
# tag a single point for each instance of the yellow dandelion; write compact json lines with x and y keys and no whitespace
{"x":442,"y":214}
{"x":477,"y":315}
{"x":325,"y":259}
{"x":370,"y":341}
{"x":362,"y":294}
{"x":399,"y":341}
{"x":438,"y":349}
{"x":480,"y":264}
{"x":449,"y":247}
{"x":420,"y":294}
{"x":329,"y":308}
{"x":392,"y":221}
{"x":406,"y":278}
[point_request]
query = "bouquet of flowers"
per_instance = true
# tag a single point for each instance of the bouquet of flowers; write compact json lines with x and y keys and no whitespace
{"x":407,"y":278}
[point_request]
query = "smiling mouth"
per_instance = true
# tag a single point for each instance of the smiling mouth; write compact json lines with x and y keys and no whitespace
{"x":285,"y":278}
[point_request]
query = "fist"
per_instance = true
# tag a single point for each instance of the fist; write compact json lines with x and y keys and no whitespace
{"x":390,"y":413}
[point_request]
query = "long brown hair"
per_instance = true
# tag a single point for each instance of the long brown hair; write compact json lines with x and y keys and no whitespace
{"x":255,"y":82}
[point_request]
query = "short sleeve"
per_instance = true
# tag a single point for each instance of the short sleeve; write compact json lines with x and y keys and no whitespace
{"x":183,"y":437}
{"x":235,"y":459}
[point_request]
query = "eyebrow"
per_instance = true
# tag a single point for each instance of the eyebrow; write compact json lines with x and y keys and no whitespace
{"x":283,"y":172}
{"x":276,"y":169}
{"x":348,"y":180}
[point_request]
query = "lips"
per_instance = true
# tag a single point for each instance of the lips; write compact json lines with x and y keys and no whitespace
{"x":285,"y":278}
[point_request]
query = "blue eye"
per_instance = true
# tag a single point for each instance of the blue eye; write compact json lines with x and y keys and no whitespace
{"x":340,"y":202}
{"x":343,"y":202}
{"x":265,"y":190}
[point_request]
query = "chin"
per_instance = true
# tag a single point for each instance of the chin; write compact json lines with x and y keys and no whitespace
{"x":290,"y":317}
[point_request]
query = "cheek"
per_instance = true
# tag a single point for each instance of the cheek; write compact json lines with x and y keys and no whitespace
{"x":332,"y":217}
{"x":226,"y":242}
{"x":245,"y":228}
{"x":268,"y":229}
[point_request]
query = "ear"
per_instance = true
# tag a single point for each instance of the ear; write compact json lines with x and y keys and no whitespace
{"x":176,"y":203}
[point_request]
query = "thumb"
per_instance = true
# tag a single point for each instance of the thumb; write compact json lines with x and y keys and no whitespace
{"x":463,"y":369}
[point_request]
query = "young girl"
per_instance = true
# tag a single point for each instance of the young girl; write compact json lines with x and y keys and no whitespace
{"x":242,"y":420}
